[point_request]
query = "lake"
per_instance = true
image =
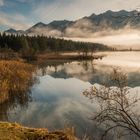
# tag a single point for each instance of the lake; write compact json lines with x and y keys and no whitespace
{"x":56,"y":100}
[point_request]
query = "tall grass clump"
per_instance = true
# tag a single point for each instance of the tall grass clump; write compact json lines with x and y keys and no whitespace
{"x":15,"y":79}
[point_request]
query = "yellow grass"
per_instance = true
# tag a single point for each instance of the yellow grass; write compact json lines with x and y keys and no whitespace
{"x":13,"y":131}
{"x":15,"y":77}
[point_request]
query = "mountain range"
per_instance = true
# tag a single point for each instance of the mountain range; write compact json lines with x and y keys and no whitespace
{"x":86,"y":26}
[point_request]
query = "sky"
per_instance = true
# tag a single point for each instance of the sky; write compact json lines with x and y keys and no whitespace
{"x":22,"y":14}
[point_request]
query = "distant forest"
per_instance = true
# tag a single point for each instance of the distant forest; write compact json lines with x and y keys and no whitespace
{"x":32,"y":45}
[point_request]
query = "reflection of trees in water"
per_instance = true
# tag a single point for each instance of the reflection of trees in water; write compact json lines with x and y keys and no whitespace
{"x":85,"y":65}
{"x":83,"y":70}
{"x":16,"y":99}
{"x":59,"y":71}
{"x":88,"y":65}
{"x":43,"y":71}
{"x":95,"y":74}
{"x":55,"y":64}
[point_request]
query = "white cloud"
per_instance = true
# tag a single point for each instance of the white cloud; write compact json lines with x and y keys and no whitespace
{"x":1,"y":2}
{"x":15,"y":21}
{"x":73,"y":9}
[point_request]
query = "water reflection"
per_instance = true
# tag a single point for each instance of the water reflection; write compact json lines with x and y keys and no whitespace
{"x":83,"y":70}
{"x":91,"y":71}
{"x":58,"y":102}
{"x":57,"y":99}
{"x":15,"y":100}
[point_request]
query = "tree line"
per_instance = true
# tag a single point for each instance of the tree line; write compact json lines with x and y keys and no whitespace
{"x":31,"y":45}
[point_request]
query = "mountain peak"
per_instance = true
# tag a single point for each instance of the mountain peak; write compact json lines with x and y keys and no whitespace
{"x":92,"y":15}
{"x":109,"y":11}
{"x":39,"y":24}
{"x":11,"y":30}
{"x":59,"y":24}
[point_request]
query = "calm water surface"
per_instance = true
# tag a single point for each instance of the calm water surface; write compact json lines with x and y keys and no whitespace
{"x":56,"y":100}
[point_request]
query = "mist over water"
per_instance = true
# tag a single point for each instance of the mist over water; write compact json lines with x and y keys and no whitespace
{"x":128,"y":61}
{"x":122,"y":39}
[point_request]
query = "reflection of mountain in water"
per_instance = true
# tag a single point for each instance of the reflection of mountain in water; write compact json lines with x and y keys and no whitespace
{"x":89,"y":71}
{"x":82,"y":70}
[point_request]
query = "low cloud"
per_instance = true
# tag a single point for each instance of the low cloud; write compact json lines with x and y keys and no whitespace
{"x":46,"y":31}
{"x":121,"y":39}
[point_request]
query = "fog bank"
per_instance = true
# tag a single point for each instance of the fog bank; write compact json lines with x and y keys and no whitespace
{"x":124,"y":39}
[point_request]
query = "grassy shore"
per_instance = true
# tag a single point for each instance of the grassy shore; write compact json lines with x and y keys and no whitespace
{"x":13,"y":131}
{"x":67,"y":56}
